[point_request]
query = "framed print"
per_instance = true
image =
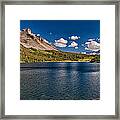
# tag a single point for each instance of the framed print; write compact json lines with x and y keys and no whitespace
{"x":60,"y":59}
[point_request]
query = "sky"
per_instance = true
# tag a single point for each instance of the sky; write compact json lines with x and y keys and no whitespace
{"x":68,"y":35}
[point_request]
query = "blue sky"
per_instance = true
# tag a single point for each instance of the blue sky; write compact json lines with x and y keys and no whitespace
{"x":68,"y":35}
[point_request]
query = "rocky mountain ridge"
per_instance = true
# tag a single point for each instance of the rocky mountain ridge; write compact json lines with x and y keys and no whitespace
{"x":30,"y":40}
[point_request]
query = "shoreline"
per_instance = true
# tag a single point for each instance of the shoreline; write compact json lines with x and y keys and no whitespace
{"x":60,"y":62}
{"x":48,"y":64}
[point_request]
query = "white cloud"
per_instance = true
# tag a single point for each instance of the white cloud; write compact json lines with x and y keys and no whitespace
{"x":38,"y":35}
{"x":76,"y":47}
{"x":98,"y":39}
{"x":50,"y":33}
{"x":92,"y":45}
{"x":83,"y":52}
{"x":91,"y":39}
{"x":73,"y":44}
{"x":87,"y":43}
{"x":93,"y":53}
{"x":74,"y":37}
{"x":61,"y":42}
{"x":82,"y":45}
{"x":86,"y":48}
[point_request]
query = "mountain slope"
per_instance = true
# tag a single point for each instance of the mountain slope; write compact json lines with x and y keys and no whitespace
{"x":30,"y":40}
{"x":29,"y":55}
{"x":37,"y":49}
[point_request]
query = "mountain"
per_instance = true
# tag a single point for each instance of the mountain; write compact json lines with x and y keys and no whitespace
{"x":29,"y":55}
{"x":34,"y":48}
{"x":30,"y":40}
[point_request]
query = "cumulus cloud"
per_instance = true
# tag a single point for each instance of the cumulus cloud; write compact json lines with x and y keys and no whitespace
{"x":93,"y":53}
{"x":74,"y":37}
{"x":83,"y":45}
{"x":61,"y":42}
{"x":38,"y":35}
{"x":92,"y":45}
{"x":91,"y":39}
{"x":50,"y":33}
{"x":83,"y":52}
{"x":98,"y":39}
{"x":74,"y":44}
{"x":76,"y":47}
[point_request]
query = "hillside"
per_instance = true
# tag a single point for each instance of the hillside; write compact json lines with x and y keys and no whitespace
{"x":34,"y":48}
{"x":30,"y":40}
{"x":29,"y":55}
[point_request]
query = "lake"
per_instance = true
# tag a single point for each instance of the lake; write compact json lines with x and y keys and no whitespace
{"x":60,"y":81}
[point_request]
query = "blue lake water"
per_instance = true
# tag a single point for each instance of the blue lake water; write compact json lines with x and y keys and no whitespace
{"x":60,"y":81}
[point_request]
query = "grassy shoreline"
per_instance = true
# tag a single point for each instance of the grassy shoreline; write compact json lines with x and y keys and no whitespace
{"x":30,"y":55}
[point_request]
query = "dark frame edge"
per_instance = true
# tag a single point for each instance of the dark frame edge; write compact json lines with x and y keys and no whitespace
{"x":0,"y":68}
{"x":2,"y":59}
{"x":60,"y":2}
{"x":2,"y":63}
{"x":66,"y":117}
{"x":117,"y":38}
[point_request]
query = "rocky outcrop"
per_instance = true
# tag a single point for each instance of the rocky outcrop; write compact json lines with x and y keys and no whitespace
{"x":30,"y":40}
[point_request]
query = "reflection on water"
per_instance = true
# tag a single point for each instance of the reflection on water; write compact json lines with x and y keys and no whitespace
{"x":60,"y":81}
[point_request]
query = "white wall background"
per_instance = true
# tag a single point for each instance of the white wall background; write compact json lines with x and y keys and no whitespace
{"x":13,"y":104}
